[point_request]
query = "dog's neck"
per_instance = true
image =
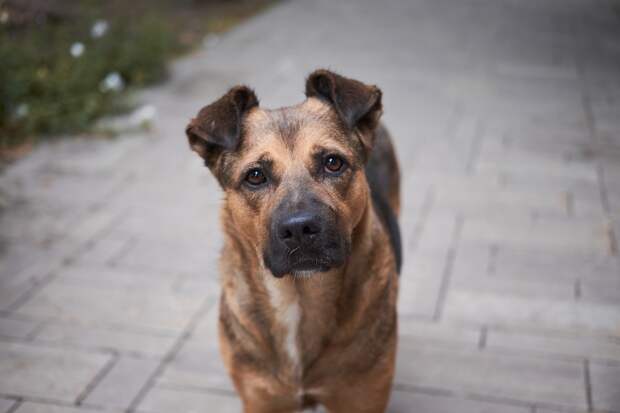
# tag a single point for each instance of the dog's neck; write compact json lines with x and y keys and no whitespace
{"x":296,"y":317}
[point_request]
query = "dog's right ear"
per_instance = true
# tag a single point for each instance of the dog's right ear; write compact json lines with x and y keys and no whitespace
{"x":217,"y":127}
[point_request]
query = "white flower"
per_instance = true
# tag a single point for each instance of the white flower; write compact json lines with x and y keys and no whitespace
{"x":22,"y":110}
{"x":112,"y":82}
{"x":143,"y":115}
{"x":4,"y":17}
{"x":99,"y":28}
{"x":77,"y":49}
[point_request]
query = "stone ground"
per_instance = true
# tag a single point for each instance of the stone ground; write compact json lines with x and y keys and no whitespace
{"x":506,"y":115}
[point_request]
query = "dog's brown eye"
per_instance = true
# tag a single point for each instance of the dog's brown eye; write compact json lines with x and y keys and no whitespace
{"x":333,"y":163}
{"x":255,"y":177}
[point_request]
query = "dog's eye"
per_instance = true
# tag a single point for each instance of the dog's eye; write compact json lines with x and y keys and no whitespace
{"x":333,"y":163}
{"x":255,"y":177}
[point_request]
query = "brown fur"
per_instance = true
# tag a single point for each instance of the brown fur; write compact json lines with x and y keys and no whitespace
{"x":346,"y":317}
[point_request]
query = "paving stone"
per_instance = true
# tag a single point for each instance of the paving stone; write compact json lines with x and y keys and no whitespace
{"x":92,"y":337}
{"x":406,"y":402}
{"x":32,"y":407}
{"x":138,"y":309}
{"x":537,"y":263}
{"x":524,"y":164}
{"x":489,"y":308}
{"x":117,"y":277}
{"x":27,"y":370}
{"x":105,"y":250}
{"x":542,"y":380}
{"x":14,"y":328}
{"x":473,"y":201}
{"x":605,"y":381}
{"x":567,"y":236}
{"x":121,"y":384}
{"x":601,"y":290}
{"x":439,"y":332}
{"x":436,"y":232}
{"x":165,"y":400}
{"x":198,"y":254}
{"x":6,"y":404}
{"x":16,"y":286}
{"x":475,"y":268}
{"x":198,"y":364}
{"x":422,"y":276}
{"x":576,"y":345}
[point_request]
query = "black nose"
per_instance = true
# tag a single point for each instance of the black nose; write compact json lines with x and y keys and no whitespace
{"x":299,"y":229}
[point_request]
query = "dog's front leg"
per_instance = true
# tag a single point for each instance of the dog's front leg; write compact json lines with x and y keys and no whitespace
{"x":369,"y":394}
{"x":270,"y":399}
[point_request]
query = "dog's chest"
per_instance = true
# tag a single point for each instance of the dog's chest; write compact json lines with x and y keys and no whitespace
{"x":287,"y":313}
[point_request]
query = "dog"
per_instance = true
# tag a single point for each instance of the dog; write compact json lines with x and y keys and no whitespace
{"x":310,"y":263}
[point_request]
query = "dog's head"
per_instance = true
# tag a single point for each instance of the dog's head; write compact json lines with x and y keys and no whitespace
{"x":293,"y":177}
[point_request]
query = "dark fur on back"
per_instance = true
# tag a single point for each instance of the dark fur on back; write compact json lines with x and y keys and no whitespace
{"x":383,"y":176}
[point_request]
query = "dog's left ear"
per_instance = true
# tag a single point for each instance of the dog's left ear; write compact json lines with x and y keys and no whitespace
{"x":358,"y":105}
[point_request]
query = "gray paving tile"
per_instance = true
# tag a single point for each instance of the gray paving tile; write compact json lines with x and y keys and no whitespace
{"x":537,"y":263}
{"x":32,"y":407}
{"x":117,"y":277}
{"x":164,"y":400}
{"x":406,"y":402}
{"x":567,"y":236}
{"x":606,"y":290}
{"x":144,"y":308}
{"x":12,"y":290}
{"x":471,"y":201}
{"x":198,"y":364}
{"x":121,"y":384}
{"x":105,"y":250}
{"x":437,"y":231}
{"x":576,"y":345}
{"x":475,"y":268}
{"x":605,"y":381}
{"x":492,"y":309}
{"x":92,"y":337}
{"x":6,"y":404}
{"x":27,"y":370}
{"x":438,"y":332}
{"x":14,"y":328}
{"x":492,"y":375}
{"x":422,"y":276}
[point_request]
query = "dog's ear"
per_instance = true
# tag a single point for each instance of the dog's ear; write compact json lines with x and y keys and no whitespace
{"x":217,"y":127}
{"x":358,"y":105}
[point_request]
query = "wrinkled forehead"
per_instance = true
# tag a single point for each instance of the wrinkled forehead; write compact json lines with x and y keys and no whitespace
{"x":291,"y":132}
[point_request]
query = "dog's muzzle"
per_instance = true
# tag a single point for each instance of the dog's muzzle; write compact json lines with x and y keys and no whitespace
{"x":304,"y":240}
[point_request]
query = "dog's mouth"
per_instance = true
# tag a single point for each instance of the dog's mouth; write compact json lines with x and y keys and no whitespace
{"x":304,"y":263}
{"x":307,"y":266}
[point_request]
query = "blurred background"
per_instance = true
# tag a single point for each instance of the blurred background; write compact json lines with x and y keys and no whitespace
{"x":506,"y":118}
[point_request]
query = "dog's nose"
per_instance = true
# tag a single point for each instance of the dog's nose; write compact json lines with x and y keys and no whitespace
{"x":298,"y":229}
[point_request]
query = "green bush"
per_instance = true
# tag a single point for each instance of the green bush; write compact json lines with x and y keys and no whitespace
{"x":44,"y":89}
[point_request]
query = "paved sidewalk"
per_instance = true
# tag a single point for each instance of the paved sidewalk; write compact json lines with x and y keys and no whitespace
{"x":506,"y":115}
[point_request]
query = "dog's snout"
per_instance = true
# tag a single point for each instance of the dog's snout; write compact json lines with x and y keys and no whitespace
{"x":304,"y":236}
{"x":299,"y":229}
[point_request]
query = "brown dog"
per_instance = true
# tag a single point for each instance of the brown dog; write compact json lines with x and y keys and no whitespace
{"x":312,"y":249}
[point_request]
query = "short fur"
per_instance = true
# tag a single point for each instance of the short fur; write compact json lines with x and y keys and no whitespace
{"x":290,"y":337}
